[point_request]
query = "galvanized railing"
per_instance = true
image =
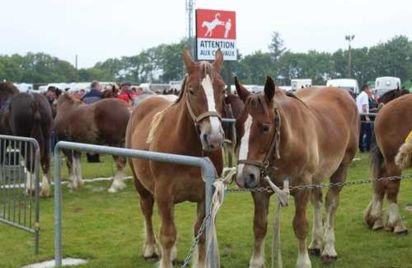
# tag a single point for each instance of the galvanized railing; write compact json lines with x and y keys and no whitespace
{"x":207,"y":168}
{"x":19,"y":184}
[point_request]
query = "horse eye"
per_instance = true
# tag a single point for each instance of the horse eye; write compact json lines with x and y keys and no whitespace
{"x":266,"y":128}
{"x":191,"y":91}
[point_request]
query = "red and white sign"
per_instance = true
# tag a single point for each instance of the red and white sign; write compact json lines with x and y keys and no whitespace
{"x":216,"y":29}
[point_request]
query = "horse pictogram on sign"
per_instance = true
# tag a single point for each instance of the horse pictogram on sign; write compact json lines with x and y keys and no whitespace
{"x":215,"y":29}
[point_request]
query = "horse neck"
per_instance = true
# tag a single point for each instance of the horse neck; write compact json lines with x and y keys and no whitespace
{"x":290,"y":110}
{"x":185,"y":126}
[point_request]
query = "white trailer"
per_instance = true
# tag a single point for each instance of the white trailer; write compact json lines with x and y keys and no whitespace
{"x":386,"y":83}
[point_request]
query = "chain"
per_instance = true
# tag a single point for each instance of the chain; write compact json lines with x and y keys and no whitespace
{"x":324,"y":185}
{"x":196,"y":240}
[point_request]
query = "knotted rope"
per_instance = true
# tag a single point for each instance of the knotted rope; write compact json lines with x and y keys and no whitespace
{"x":283,"y":198}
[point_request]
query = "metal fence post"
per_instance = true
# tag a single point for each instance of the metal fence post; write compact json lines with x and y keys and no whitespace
{"x":209,"y":173}
{"x":57,"y":209}
{"x":207,"y":168}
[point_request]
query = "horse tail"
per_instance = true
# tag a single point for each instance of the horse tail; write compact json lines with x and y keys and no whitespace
{"x":404,"y":157}
{"x":376,"y":158}
{"x":36,"y":128}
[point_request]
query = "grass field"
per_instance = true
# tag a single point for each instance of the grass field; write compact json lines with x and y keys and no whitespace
{"x":107,"y":229}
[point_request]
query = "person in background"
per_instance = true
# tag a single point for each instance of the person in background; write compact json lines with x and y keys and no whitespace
{"x":362,"y":101}
{"x":51,"y":95}
{"x":94,"y":94}
{"x":126,"y":94}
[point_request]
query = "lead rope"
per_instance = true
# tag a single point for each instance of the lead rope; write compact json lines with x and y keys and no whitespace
{"x":283,"y":198}
{"x":217,"y":201}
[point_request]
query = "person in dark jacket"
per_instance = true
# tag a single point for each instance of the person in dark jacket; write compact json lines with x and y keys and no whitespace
{"x":94,"y":94}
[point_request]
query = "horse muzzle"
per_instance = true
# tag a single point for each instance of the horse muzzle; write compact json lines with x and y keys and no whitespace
{"x":247,"y":176}
{"x":212,"y":141}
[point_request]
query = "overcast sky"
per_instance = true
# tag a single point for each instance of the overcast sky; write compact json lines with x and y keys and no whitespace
{"x":101,"y":29}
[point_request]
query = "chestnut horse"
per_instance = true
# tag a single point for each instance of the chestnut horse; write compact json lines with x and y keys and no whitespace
{"x":189,"y":126}
{"x":305,"y":138}
{"x":102,"y":122}
{"x":27,"y":115}
{"x":392,"y":154}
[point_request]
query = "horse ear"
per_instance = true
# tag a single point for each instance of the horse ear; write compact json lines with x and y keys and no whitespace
{"x":190,"y":64}
{"x":241,"y":90}
{"x":218,"y":60}
{"x":269,"y":89}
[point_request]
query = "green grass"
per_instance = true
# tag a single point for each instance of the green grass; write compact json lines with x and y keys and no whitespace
{"x":107,"y":229}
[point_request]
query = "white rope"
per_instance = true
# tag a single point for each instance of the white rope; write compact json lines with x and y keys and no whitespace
{"x":217,"y":201}
{"x":283,"y":199}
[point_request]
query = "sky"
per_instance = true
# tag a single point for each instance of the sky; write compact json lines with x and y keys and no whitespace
{"x":96,"y":30}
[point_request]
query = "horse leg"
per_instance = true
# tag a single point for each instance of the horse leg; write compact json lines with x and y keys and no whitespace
{"x":72,"y":162}
{"x":317,"y":229}
{"x":331,"y":205}
{"x":167,"y":228}
{"x":300,"y":226}
{"x":45,"y":164}
{"x":199,"y":258}
{"x":373,"y":214}
{"x":261,"y":202}
{"x":150,"y":248}
{"x":118,"y":183}
{"x":394,"y":222}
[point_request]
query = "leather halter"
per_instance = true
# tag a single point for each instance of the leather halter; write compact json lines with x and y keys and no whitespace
{"x":197,"y":119}
{"x":273,"y":149}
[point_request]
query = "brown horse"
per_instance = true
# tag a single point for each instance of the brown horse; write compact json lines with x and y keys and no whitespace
{"x":28,"y":115}
{"x":189,"y":126}
{"x":391,"y":155}
{"x":305,"y":139}
{"x":102,"y":122}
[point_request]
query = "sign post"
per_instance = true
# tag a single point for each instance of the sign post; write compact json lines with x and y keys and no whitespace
{"x":215,"y":29}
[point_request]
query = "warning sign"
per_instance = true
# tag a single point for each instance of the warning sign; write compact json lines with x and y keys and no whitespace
{"x":215,"y":29}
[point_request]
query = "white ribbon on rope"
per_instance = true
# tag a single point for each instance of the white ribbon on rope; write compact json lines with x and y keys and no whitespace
{"x":217,"y":201}
{"x":283,"y":200}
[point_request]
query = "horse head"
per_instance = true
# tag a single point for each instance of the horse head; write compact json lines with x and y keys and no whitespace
{"x":391,"y":95}
{"x":258,"y":134}
{"x":203,"y":92}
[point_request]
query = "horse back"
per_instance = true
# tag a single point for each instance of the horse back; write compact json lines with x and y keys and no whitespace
{"x":141,"y":120}
{"x":331,"y":123}
{"x":393,"y":124}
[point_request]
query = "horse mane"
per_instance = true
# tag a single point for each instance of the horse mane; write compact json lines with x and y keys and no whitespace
{"x":292,"y":95}
{"x":156,"y":122}
{"x":182,"y":89}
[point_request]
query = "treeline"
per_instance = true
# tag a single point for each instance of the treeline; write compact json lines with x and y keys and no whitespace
{"x":164,"y":63}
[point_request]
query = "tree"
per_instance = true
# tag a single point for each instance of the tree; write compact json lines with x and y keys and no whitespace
{"x":276,"y":48}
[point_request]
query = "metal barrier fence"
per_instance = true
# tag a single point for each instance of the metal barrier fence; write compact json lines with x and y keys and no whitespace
{"x":19,"y":184}
{"x":207,"y":168}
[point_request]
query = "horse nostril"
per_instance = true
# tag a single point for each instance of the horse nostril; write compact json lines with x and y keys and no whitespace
{"x":205,"y":138}
{"x":252,"y":177}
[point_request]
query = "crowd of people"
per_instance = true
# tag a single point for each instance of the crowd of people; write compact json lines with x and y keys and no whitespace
{"x":126,"y":93}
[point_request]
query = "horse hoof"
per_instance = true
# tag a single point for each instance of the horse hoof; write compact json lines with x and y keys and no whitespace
{"x":177,"y":262}
{"x":45,"y":194}
{"x":400,"y":231}
{"x":377,"y":226}
{"x":314,"y":252}
{"x":329,"y":259}
{"x":152,"y":258}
